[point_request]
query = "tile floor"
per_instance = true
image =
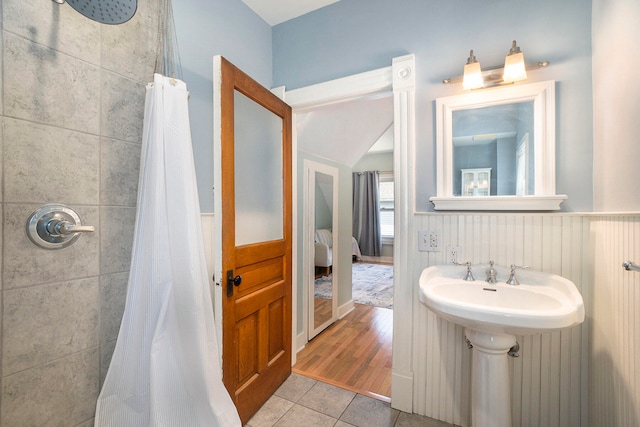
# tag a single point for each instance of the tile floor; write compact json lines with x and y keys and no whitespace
{"x":302,"y":401}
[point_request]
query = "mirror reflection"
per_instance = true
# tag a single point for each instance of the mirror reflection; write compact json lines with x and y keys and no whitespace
{"x":496,"y":150}
{"x":493,"y":150}
{"x":323,"y":250}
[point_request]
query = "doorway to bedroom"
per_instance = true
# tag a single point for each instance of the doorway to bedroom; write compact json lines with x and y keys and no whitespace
{"x":397,"y":84}
{"x":349,"y":338}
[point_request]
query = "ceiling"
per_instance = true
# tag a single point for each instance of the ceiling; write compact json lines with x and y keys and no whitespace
{"x":346,"y":131}
{"x":342,"y":132}
{"x":275,"y":12}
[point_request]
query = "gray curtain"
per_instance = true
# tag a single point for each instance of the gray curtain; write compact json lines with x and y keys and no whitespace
{"x":366,"y":212}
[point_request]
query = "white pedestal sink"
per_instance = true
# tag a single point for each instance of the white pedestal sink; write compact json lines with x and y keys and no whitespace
{"x":493,"y":314}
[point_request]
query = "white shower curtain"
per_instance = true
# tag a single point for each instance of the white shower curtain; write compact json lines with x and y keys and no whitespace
{"x":165,"y":369}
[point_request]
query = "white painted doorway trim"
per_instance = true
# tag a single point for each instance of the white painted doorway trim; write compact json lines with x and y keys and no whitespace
{"x":399,"y":79}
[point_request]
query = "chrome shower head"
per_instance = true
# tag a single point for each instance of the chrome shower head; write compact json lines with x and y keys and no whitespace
{"x":105,"y":11}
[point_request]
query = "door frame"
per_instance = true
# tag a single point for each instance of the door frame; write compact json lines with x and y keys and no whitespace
{"x":398,"y":79}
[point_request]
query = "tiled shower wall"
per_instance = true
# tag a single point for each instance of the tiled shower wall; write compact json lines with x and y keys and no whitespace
{"x":71,"y":109}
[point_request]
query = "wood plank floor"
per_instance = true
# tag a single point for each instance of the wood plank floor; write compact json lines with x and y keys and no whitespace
{"x":354,"y":353}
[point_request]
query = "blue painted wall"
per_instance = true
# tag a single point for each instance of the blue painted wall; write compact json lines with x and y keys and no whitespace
{"x":206,"y":28}
{"x":353,"y":36}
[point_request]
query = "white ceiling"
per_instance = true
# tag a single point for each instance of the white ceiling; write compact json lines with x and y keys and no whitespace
{"x":345,"y":132}
{"x":275,"y":12}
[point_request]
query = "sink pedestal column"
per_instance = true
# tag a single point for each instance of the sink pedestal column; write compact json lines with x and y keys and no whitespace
{"x":490,"y":385}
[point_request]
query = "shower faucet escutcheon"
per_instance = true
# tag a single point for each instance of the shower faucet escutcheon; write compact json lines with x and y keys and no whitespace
{"x":55,"y":226}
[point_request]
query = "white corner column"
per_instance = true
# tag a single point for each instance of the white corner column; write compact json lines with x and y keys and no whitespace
{"x":404,"y":290}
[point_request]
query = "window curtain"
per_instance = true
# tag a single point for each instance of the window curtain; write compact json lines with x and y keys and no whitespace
{"x":366,"y":212}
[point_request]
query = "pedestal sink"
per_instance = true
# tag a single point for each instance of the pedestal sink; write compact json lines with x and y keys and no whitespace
{"x":493,"y":314}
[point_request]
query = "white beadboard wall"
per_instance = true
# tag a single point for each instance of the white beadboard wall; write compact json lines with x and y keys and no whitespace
{"x":549,"y":378}
{"x":553,"y":384}
{"x":614,"y":375}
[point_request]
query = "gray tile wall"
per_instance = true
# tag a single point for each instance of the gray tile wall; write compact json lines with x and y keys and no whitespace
{"x":71,"y":110}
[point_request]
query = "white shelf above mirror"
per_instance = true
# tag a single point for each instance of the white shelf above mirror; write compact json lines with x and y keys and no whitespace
{"x":510,"y":130}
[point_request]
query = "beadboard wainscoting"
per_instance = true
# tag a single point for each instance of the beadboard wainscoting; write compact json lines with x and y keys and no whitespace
{"x":614,"y":374}
{"x":586,"y":375}
{"x":549,"y":378}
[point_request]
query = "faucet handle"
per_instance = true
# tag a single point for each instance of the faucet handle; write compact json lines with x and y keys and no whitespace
{"x":469,"y":276}
{"x":513,"y":280}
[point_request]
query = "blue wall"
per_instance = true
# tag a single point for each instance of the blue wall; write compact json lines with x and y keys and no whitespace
{"x":353,"y":36}
{"x":206,"y":28}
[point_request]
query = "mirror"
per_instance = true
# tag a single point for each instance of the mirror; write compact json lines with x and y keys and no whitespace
{"x":323,"y":249}
{"x":496,"y":149}
{"x":322,"y":236}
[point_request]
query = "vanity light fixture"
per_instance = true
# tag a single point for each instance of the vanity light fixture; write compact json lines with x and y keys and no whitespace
{"x":59,"y":1}
{"x":514,"y":69}
{"x":472,"y":78}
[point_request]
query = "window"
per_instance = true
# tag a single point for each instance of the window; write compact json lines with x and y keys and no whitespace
{"x":386,"y":205}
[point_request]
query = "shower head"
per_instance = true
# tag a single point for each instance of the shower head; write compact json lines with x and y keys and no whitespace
{"x":105,"y":11}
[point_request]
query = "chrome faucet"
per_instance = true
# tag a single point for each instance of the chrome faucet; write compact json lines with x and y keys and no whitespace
{"x":491,"y":273}
{"x":469,"y":276}
{"x":513,"y":280}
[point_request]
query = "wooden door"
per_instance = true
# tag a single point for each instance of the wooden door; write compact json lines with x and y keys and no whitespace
{"x":255,"y":230}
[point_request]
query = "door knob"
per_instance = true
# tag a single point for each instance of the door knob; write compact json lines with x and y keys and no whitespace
{"x":232,"y":281}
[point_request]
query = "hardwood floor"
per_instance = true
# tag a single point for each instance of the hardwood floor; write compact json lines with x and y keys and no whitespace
{"x":322,"y":308}
{"x":354,"y":353}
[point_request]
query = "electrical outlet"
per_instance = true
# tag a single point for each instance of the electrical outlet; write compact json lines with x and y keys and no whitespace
{"x":452,"y":254}
{"x":429,"y":241}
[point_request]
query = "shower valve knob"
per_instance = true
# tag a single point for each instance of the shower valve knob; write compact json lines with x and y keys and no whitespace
{"x":55,"y":226}
{"x":62,"y":228}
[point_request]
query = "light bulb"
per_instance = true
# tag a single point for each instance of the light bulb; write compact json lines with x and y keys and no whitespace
{"x":472,"y":78}
{"x":514,"y":68}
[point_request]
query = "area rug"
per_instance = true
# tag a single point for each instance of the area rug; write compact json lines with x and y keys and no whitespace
{"x":372,"y":285}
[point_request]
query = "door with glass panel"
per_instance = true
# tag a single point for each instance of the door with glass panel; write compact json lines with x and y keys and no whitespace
{"x":252,"y":181}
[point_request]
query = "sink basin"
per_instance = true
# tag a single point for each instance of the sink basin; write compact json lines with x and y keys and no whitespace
{"x":542,"y":302}
{"x":493,"y":314}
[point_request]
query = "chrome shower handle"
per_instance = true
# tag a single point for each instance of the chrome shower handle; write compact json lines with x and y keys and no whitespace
{"x":55,"y":226}
{"x":62,"y":228}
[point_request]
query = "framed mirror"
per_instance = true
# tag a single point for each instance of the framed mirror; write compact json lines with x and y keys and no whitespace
{"x":321,"y":231}
{"x":496,"y":149}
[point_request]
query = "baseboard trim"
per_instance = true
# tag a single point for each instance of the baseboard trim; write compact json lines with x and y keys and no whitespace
{"x":402,"y":391}
{"x":301,"y":342}
{"x":377,"y":259}
{"x":345,"y":309}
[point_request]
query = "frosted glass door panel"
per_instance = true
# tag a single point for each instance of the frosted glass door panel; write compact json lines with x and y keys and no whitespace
{"x":258,"y":172}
